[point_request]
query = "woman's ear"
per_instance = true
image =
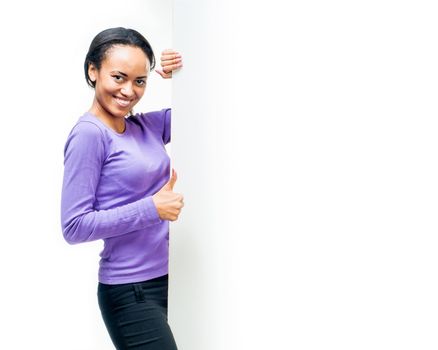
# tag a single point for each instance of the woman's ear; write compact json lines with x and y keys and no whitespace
{"x":92,"y":72}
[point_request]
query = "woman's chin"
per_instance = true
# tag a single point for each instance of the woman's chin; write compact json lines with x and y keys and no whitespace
{"x":119,"y":112}
{"x":122,"y":111}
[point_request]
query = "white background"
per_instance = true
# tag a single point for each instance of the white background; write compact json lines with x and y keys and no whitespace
{"x":305,"y":140}
{"x":48,"y":288}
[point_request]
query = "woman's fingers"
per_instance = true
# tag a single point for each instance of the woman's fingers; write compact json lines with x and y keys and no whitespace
{"x":169,"y":54}
{"x":171,"y":63}
{"x":170,"y":57}
{"x":171,"y":67}
{"x":170,"y":60}
{"x":163,"y":74}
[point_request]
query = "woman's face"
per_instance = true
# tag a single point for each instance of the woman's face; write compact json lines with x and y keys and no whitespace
{"x":120,"y":81}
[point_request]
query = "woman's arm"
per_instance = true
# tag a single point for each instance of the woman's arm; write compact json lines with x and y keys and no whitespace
{"x":84,"y":155}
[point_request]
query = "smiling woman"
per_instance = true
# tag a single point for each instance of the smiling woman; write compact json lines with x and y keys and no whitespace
{"x":118,"y":73}
{"x":116,"y":187}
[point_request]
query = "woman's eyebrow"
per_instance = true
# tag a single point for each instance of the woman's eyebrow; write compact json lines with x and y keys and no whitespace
{"x":126,"y":75}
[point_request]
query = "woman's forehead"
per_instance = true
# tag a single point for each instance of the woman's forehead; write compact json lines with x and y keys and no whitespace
{"x":129,"y":58}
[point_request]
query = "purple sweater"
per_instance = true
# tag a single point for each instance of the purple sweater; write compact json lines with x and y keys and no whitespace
{"x":109,"y":180}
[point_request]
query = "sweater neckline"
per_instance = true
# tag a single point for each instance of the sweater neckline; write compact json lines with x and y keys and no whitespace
{"x":94,"y":117}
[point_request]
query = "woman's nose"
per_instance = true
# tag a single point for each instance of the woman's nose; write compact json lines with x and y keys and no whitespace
{"x":127,"y":90}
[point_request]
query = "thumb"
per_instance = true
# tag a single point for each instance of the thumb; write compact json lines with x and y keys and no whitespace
{"x":163,"y":74}
{"x":169,"y":185}
{"x":160,"y":72}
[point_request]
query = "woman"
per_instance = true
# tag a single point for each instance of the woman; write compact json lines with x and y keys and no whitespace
{"x":116,"y":187}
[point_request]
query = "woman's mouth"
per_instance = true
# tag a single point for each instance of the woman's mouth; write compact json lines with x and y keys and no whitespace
{"x":122,"y":102}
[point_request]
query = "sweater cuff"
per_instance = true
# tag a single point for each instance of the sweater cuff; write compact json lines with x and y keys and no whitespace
{"x":150,"y":213}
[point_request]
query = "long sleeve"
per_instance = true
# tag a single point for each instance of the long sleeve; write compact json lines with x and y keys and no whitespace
{"x":84,"y":156}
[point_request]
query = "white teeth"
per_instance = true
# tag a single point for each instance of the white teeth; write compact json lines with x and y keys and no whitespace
{"x":121,"y":102}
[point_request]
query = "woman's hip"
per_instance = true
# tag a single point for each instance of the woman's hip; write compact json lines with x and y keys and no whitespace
{"x":135,"y":314}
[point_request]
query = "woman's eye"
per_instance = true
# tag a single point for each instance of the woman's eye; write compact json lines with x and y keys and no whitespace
{"x":117,"y":77}
{"x":141,"y":82}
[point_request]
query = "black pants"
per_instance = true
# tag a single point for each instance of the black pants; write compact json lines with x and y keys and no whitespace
{"x":135,"y":314}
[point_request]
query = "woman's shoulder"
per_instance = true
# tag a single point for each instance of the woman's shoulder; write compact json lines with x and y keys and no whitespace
{"x":89,"y":124}
{"x":86,"y":132}
{"x":86,"y":143}
{"x":150,"y":118}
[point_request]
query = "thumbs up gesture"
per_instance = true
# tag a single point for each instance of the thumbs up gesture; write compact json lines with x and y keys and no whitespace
{"x":167,"y":202}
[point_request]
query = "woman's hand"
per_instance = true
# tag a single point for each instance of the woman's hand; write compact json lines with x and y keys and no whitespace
{"x":170,"y":60}
{"x":167,"y":202}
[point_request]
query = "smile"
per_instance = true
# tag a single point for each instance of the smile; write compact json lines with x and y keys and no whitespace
{"x":121,"y":102}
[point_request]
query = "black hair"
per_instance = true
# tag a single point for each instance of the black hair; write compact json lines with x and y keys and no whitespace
{"x":110,"y":37}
